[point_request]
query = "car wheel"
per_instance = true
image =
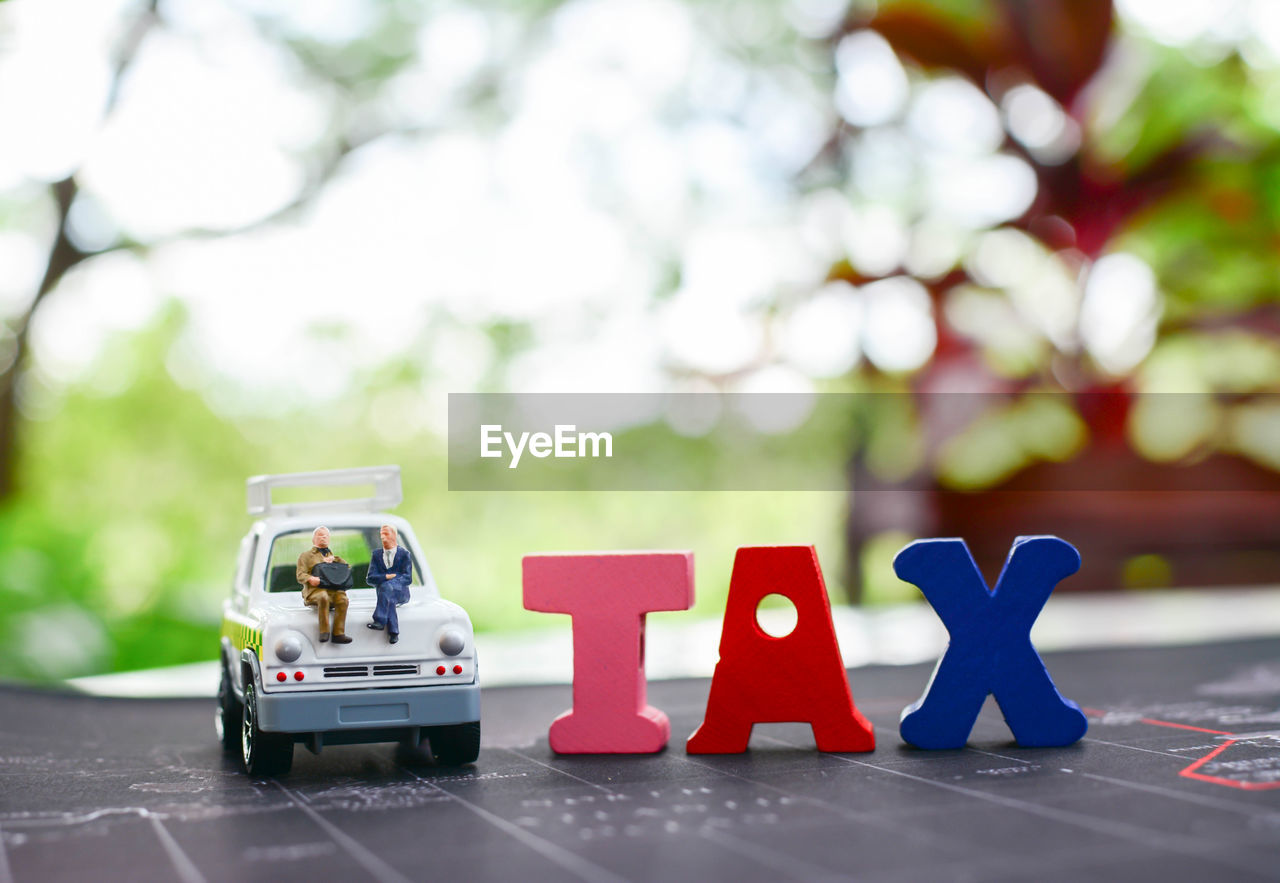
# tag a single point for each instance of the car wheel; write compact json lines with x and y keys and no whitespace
{"x":456,"y":744}
{"x":230,"y":714}
{"x":264,"y":754}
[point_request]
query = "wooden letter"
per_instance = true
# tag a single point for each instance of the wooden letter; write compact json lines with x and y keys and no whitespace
{"x":990,"y":650}
{"x":798,"y":677}
{"x":608,"y":595}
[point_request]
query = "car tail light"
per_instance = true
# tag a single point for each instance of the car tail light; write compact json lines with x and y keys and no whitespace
{"x":297,"y":675}
{"x":281,"y":676}
{"x":457,"y":669}
{"x":440,"y":669}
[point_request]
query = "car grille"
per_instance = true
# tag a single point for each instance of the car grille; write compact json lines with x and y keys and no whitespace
{"x":362,"y":671}
{"x":395,"y":669}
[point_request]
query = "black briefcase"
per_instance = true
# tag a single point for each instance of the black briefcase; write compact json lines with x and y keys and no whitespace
{"x":333,"y":576}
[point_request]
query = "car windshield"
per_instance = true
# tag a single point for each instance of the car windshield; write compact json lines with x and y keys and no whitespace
{"x":354,"y":545}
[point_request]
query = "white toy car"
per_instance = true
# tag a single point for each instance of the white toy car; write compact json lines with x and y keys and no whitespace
{"x":281,"y":685}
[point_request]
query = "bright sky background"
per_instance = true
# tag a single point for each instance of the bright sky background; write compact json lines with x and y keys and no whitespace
{"x":630,"y":138}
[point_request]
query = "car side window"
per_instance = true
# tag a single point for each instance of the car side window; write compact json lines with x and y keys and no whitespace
{"x":248,"y":549}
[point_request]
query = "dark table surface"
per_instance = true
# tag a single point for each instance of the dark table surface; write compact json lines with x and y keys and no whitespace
{"x":1178,"y":778}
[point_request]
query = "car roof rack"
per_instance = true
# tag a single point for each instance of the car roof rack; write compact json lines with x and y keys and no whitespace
{"x":385,"y":480}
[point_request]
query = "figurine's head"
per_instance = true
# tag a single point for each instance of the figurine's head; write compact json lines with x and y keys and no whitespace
{"x":320,"y":538}
{"x":389,"y":536}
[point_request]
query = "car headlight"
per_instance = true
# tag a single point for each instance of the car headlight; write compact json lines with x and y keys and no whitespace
{"x":452,"y":641}
{"x":289,"y":647}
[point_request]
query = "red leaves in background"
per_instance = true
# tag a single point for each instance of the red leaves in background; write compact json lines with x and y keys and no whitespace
{"x":922,"y":35}
{"x":1060,"y":43}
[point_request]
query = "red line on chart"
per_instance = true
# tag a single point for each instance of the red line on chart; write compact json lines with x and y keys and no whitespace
{"x":1159,"y":723}
{"x":1191,"y":772}
{"x":1149,"y":720}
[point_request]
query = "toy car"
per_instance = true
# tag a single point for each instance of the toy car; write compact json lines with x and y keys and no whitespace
{"x":281,"y":685}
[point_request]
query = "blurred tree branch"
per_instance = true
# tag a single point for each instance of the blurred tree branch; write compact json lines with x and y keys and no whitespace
{"x":65,"y":254}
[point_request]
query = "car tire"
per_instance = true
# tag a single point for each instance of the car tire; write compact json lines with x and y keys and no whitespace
{"x":456,"y":744}
{"x":264,"y":754}
{"x":230,"y":714}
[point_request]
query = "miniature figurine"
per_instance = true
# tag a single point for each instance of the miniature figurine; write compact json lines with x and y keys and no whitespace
{"x":322,"y":597}
{"x":390,"y":572}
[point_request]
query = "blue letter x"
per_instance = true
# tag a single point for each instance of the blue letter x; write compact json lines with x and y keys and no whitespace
{"x":990,"y":649}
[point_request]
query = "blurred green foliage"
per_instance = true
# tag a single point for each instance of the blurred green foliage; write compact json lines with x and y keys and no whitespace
{"x":120,"y":547}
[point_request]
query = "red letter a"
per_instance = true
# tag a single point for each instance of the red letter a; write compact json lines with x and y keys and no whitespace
{"x":763,"y":679}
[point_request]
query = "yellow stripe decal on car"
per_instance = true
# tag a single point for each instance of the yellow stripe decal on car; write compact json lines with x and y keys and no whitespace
{"x":242,"y":636}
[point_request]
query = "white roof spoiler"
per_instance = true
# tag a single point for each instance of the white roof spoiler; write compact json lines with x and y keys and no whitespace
{"x":385,"y":480}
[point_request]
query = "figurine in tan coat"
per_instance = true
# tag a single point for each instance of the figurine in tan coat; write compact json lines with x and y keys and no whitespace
{"x":321,"y":598}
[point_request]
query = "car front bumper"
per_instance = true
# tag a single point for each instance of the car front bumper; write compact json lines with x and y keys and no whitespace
{"x":335,"y":711}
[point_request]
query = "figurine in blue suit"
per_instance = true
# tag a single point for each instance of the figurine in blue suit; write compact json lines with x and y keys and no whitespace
{"x":390,"y":572}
